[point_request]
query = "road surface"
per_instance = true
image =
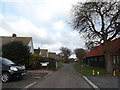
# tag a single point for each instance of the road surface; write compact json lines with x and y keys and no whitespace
{"x":66,"y":77}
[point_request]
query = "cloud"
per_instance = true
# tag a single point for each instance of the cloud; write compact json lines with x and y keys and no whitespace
{"x":58,"y":25}
{"x":44,"y":20}
{"x":43,"y":10}
{"x":4,"y":32}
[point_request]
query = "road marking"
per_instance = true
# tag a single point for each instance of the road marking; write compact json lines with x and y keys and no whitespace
{"x":37,"y":77}
{"x":28,"y":86}
{"x":92,"y":84}
{"x":48,"y":74}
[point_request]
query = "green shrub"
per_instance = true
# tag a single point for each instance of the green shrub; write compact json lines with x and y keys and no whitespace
{"x":34,"y":61}
{"x":52,"y":63}
{"x":66,"y":61}
{"x":16,"y":51}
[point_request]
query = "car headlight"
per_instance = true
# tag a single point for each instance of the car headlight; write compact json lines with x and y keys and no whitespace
{"x":13,"y":69}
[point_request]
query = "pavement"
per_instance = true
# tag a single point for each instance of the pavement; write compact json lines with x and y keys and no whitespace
{"x":107,"y":81}
{"x":66,"y":77}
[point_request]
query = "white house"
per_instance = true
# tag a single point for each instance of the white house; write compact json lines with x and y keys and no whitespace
{"x":25,"y":40}
{"x":44,"y":52}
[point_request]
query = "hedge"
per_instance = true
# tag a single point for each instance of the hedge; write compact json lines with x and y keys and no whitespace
{"x":35,"y":60}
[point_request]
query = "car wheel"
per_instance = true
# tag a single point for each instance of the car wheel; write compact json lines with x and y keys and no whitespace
{"x":5,"y":77}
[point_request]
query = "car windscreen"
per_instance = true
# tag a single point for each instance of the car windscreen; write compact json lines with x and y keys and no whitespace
{"x":7,"y":62}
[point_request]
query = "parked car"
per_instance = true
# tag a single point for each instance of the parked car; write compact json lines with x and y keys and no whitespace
{"x":11,"y":70}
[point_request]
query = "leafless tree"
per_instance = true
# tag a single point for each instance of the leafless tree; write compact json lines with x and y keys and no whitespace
{"x":98,"y":22}
{"x":66,"y":52}
{"x":80,"y":53}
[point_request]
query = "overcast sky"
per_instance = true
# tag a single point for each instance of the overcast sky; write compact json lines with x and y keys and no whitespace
{"x":46,"y":21}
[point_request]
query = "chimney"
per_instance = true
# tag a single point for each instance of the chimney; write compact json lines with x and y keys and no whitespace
{"x":14,"y":35}
{"x":38,"y":48}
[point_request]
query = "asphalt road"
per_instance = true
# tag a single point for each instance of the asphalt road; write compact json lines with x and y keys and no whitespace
{"x":66,"y":77}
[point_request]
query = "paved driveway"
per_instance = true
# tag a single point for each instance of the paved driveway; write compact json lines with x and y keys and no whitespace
{"x":67,"y":77}
{"x":31,"y":77}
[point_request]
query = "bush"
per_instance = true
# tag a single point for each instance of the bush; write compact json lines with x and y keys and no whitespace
{"x":52,"y":63}
{"x":66,"y":61}
{"x":16,"y":51}
{"x":34,"y":61}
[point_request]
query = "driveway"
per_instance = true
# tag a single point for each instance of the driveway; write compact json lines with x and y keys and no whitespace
{"x":31,"y":77}
{"x":66,"y":77}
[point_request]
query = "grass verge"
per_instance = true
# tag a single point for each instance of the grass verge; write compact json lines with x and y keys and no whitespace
{"x":88,"y":70}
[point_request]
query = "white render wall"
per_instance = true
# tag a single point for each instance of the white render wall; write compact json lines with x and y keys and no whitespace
{"x":30,"y":44}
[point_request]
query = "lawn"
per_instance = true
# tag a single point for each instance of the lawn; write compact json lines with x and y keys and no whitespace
{"x":88,"y":70}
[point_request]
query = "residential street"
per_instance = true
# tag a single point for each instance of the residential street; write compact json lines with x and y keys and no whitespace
{"x":67,"y":77}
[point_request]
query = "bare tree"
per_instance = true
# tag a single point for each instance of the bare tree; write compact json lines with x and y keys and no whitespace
{"x":98,"y":22}
{"x":80,"y":53}
{"x":66,"y":52}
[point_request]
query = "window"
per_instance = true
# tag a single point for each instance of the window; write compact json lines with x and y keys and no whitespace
{"x":7,"y":62}
{"x":115,"y":59}
{"x":95,"y":59}
{"x":29,"y":47}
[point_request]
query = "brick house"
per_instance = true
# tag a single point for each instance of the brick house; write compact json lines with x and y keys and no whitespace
{"x":96,"y":56}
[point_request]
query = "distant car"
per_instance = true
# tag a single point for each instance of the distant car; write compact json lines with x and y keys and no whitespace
{"x":11,"y":70}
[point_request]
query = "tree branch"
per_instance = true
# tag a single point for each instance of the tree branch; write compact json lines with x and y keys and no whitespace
{"x":113,"y":19}
{"x":93,"y":27}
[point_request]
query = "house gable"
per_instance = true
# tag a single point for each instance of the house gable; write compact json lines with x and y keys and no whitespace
{"x":25,"y":40}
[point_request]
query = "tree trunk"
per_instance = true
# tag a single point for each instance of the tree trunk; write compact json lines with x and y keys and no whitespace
{"x":108,"y":63}
{"x":108,"y":58}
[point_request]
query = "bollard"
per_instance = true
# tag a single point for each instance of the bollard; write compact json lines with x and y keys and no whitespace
{"x":93,"y":73}
{"x":114,"y":73}
{"x":82,"y":66}
{"x":98,"y":73}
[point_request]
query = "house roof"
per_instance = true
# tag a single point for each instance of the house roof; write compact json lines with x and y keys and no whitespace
{"x":46,"y":50}
{"x":36,"y":51}
{"x":113,"y":46}
{"x":51,"y":53}
{"x":7,"y":39}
